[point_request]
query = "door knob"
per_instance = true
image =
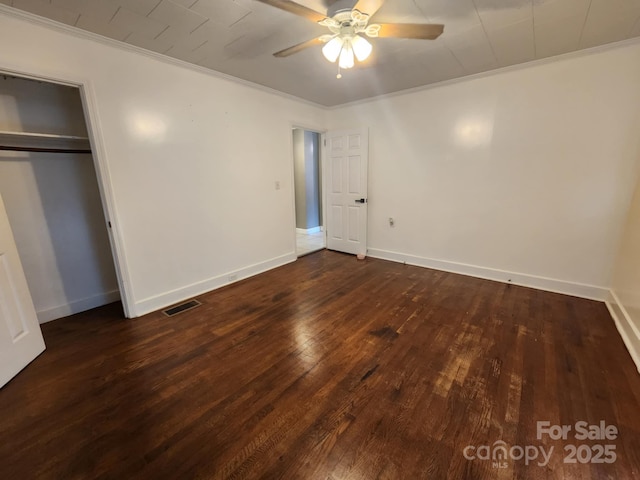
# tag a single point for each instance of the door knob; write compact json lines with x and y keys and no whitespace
{"x":361,"y":200}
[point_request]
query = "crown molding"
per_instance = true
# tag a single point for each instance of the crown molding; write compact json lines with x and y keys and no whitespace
{"x":489,"y":73}
{"x":86,"y":35}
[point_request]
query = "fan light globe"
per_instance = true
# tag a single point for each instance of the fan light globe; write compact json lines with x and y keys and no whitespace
{"x":361,"y":47}
{"x":343,"y":49}
{"x":346,"y":55}
{"x":332,"y":49}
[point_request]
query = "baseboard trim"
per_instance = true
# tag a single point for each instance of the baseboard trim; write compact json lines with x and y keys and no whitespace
{"x":309,"y":230}
{"x":590,"y":292}
{"x":626,"y":327}
{"x":77,"y":306}
{"x":163,"y":300}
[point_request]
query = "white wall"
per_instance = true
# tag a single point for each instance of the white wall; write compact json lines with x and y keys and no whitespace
{"x":312,"y":179}
{"x":625,"y":304}
{"x":523,"y":175}
{"x":193,"y":202}
{"x":300,"y":181}
{"x":53,"y":203}
{"x":306,"y":163}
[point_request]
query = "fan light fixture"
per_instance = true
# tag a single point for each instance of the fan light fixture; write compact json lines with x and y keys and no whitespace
{"x":348,"y":27}
{"x":344,"y":47}
{"x":346,"y":40}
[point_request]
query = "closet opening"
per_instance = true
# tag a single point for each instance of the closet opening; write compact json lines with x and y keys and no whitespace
{"x":52,"y":198}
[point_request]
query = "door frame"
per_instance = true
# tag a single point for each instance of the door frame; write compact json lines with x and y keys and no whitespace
{"x":101,"y":166}
{"x":321,"y":131}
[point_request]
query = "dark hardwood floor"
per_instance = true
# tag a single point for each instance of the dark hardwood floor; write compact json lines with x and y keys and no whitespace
{"x":327,"y":368}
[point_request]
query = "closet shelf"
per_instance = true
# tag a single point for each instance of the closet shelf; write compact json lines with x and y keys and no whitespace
{"x":43,"y":142}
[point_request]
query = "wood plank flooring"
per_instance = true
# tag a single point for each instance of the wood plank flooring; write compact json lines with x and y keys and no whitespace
{"x":327,"y":368}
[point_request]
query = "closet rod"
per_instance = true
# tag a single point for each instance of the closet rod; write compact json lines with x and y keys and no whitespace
{"x":44,"y":150}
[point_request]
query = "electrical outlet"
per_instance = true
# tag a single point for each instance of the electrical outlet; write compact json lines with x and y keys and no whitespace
{"x":392,"y":222}
{"x":277,"y":185}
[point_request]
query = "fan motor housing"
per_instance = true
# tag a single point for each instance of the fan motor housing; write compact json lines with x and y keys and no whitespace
{"x":341,"y":8}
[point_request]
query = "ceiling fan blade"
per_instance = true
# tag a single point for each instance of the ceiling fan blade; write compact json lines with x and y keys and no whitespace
{"x":295,"y":8}
{"x":299,"y":47}
{"x":369,"y":6}
{"x":410,"y":30}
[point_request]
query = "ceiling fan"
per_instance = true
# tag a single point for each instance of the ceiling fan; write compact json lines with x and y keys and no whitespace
{"x":348,"y":22}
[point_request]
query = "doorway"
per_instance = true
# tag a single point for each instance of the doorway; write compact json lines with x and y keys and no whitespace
{"x":50,"y":189}
{"x":307,"y":170}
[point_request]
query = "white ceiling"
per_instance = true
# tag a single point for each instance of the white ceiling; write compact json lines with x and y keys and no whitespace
{"x":238,"y":37}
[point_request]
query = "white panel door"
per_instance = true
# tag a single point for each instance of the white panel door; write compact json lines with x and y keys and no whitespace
{"x":348,"y":155}
{"x":20,"y":336}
